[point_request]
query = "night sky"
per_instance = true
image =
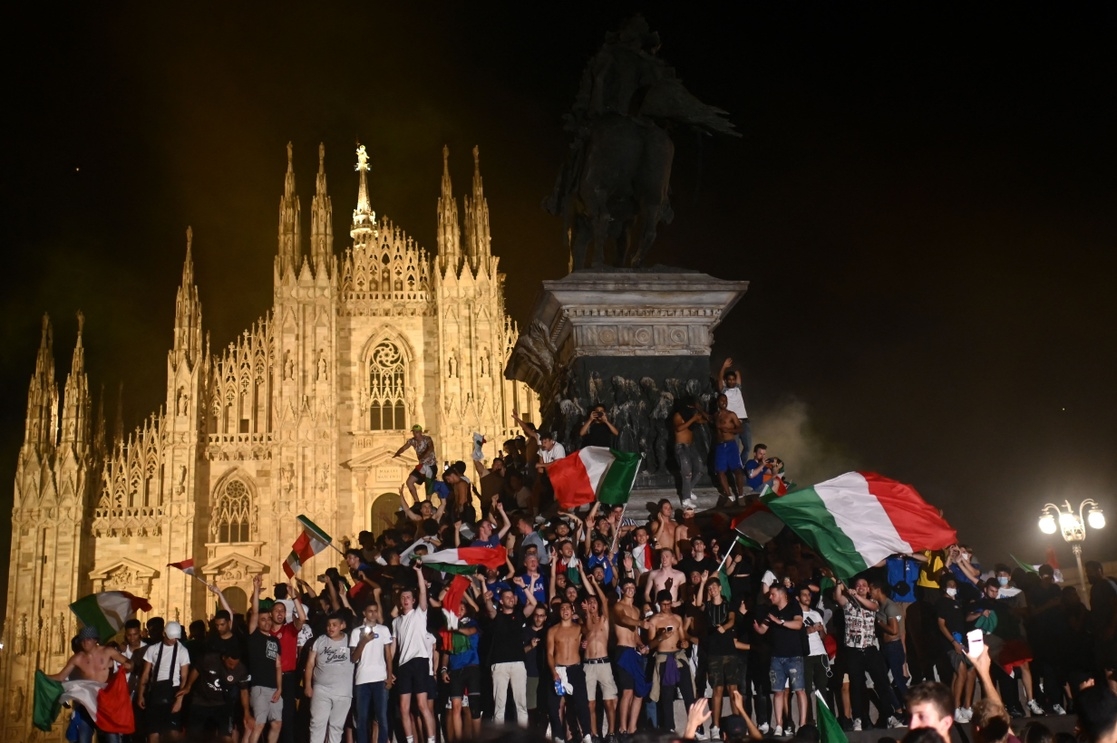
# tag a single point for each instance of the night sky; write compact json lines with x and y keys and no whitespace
{"x":923,"y":199}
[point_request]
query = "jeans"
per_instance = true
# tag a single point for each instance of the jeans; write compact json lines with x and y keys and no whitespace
{"x":690,"y":468}
{"x":371,"y":698}
{"x":290,"y":694}
{"x":577,"y":714}
{"x":893,"y":653}
{"x":83,"y":726}
{"x":869,"y":659}
{"x":503,"y":674}
{"x":745,"y":437}
{"x":666,"y":705}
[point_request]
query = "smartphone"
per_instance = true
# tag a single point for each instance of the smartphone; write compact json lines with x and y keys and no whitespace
{"x":670,"y":628}
{"x":975,"y":639}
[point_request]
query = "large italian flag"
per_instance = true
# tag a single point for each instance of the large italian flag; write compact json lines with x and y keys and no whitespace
{"x":464,"y":560}
{"x":108,"y":611}
{"x":594,"y":473}
{"x":857,"y":519}
{"x":313,"y":540}
{"x":109,"y":705}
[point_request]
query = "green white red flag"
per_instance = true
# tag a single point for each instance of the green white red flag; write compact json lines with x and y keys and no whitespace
{"x":856,"y":520}
{"x":313,"y":540}
{"x":464,"y":560}
{"x":108,"y":611}
{"x":757,"y":524}
{"x":594,"y":473}
{"x":186,"y":566}
{"x":109,"y":705}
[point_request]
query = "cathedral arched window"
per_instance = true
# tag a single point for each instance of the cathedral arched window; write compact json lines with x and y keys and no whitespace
{"x":387,"y":375}
{"x":231,"y":513}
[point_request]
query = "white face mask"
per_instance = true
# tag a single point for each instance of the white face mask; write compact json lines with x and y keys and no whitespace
{"x":952,"y":592}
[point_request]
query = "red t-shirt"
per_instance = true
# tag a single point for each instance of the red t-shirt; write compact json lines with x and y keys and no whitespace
{"x":288,"y":646}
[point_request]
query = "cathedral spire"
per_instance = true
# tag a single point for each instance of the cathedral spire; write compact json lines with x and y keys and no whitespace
{"x":449,"y":232}
{"x":477,"y":237}
{"x":76,"y":402}
{"x":289,"y":220}
{"x":188,"y":312}
{"x":321,"y":218}
{"x":364,"y":218}
{"x":42,"y":395}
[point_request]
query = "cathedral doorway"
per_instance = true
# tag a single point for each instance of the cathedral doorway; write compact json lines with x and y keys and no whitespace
{"x":237,"y":598}
{"x":384,"y":510}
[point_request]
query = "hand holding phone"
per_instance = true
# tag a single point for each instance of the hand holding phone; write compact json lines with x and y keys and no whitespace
{"x":975,"y":640}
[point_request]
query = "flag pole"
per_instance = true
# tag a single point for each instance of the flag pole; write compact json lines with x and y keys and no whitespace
{"x":725,"y":559}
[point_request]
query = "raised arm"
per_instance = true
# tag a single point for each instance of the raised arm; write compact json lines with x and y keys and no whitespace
{"x":506,"y":523}
{"x":253,"y":620}
{"x":721,"y":374}
{"x":411,"y":515}
{"x":220,"y":598}
{"x":422,"y":587}
{"x":300,"y":613}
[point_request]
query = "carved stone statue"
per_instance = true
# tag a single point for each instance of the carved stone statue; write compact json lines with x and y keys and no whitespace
{"x":613,"y":188}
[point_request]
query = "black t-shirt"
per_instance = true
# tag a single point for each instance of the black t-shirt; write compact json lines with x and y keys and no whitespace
{"x":950,"y":611}
{"x":689,"y":565}
{"x":263,"y":649}
{"x":217,"y":685}
{"x":507,"y":637}
{"x":786,"y":643}
{"x":535,"y":659}
{"x":718,"y":643}
{"x":215,"y":644}
{"x":598,"y":435}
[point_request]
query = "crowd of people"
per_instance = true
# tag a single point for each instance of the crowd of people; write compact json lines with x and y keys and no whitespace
{"x":600,"y":620}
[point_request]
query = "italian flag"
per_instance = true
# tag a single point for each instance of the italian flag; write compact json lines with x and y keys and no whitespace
{"x":108,"y":611}
{"x":186,"y":566}
{"x":464,"y":560}
{"x":312,"y":541}
{"x":594,"y":473}
{"x":757,"y":524}
{"x":109,"y":705}
{"x":857,"y":519}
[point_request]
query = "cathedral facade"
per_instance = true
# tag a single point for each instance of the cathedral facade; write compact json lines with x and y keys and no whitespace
{"x":300,"y":414}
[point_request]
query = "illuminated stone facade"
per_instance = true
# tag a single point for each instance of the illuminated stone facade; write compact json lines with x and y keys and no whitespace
{"x":300,"y":414}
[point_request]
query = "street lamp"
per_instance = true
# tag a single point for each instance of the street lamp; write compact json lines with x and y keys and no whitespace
{"x":1073,"y":526}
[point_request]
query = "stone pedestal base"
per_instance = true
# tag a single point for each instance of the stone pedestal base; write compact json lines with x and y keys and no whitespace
{"x":637,"y":342}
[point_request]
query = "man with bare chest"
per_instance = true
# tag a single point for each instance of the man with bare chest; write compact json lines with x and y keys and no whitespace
{"x":727,"y":454}
{"x":668,"y":631}
{"x":663,"y":579}
{"x":666,"y":531}
{"x":631,"y":657}
{"x":93,"y":662}
{"x":564,"y":645}
{"x":598,"y":668}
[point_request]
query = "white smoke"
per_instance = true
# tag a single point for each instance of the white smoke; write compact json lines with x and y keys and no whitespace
{"x":807,"y":457}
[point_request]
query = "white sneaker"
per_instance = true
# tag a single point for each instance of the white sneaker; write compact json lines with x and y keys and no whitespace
{"x":1034,"y":708}
{"x":1058,"y":709}
{"x":690,"y":502}
{"x":894,"y":723}
{"x":778,"y":732}
{"x":857,"y":726}
{"x":968,"y":712}
{"x":715,"y":733}
{"x":960,"y":714}
{"x":763,"y":728}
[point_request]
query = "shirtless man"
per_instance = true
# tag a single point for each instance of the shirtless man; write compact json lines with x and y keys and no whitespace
{"x":663,"y":579}
{"x":564,"y":643}
{"x":667,"y":533}
{"x":93,"y":662}
{"x":690,"y":464}
{"x":630,"y":657}
{"x":669,"y":632}
{"x":727,"y":454}
{"x":424,"y":450}
{"x":598,"y":669}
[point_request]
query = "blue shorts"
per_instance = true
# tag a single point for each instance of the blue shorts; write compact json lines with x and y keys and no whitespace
{"x":727,"y":456}
{"x":784,"y":670}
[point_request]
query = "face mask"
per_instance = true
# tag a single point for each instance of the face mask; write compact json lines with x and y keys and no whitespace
{"x":1003,"y":580}
{"x":952,"y":592}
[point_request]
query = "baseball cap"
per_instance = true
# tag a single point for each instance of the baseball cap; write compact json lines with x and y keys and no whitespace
{"x":173,"y":631}
{"x":88,"y":633}
{"x":734,"y":727}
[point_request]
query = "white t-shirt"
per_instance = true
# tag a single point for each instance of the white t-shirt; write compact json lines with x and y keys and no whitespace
{"x":814,"y":638}
{"x":371,"y":667}
{"x":558,"y":451}
{"x":409,"y":631}
{"x":735,"y":401}
{"x":164,"y":671}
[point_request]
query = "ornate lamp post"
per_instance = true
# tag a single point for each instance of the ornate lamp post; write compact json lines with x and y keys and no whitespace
{"x":1073,"y":527}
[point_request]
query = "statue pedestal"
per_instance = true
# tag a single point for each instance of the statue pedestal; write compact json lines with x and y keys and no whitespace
{"x":637,"y":342}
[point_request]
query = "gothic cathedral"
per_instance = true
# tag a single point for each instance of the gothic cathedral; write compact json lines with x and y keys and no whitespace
{"x":299,"y":415}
